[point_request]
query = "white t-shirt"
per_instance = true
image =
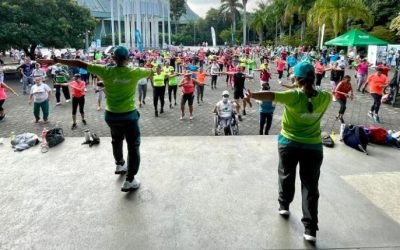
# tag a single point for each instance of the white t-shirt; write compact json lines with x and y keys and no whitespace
{"x":225,"y":109}
{"x":40,"y":92}
{"x":38,"y":72}
{"x":214,"y":69}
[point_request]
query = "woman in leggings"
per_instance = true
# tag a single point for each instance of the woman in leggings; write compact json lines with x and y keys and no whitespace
{"x":78,"y":99}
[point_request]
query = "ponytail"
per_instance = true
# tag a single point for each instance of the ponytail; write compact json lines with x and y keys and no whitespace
{"x":308,"y":87}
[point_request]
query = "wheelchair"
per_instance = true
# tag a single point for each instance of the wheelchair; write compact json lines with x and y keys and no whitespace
{"x":232,"y":129}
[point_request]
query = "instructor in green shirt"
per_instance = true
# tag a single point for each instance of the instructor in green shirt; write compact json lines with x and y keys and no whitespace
{"x":121,"y":115}
{"x":299,"y":142}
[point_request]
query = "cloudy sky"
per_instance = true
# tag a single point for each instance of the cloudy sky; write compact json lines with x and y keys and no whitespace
{"x":200,"y":7}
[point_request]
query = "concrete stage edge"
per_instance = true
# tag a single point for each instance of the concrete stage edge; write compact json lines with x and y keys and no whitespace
{"x":196,"y":193}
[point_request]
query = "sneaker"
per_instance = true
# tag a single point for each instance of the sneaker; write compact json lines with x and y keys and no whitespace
{"x":284,"y":211}
{"x":240,"y":118}
{"x":121,"y":169}
{"x":244,"y":112}
{"x":58,"y":103}
{"x":130,"y":186}
{"x":341,"y":120}
{"x":156,"y":113}
{"x":310,"y":235}
{"x":161,"y":111}
{"x":170,"y":105}
{"x":377,"y":119}
{"x":74,"y":126}
{"x":175,"y":104}
{"x":68,"y":100}
{"x":84,"y":122}
{"x":371,"y":115}
{"x":144,"y":102}
{"x":140,"y":105}
{"x":191,"y":117}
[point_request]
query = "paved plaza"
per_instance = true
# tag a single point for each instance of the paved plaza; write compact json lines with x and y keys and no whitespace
{"x":220,"y":194}
{"x":19,"y":114}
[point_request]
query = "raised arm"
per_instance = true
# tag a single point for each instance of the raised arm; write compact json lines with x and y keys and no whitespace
{"x":71,"y":63}
{"x":263,"y":95}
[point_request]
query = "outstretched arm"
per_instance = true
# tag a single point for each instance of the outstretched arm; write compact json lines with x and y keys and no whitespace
{"x":262,"y":96}
{"x":71,"y":63}
{"x":9,"y":88}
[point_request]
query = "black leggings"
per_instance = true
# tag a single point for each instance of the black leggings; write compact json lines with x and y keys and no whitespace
{"x":78,"y":101}
{"x":172,"y":89}
{"x":1,"y":104}
{"x":65,"y":91}
{"x":319,"y":79}
{"x":214,"y":81}
{"x":280,"y":74}
{"x":158,"y":93}
{"x":377,"y":103}
{"x":200,"y":92}
{"x":342,"y":103}
{"x":265,"y":121}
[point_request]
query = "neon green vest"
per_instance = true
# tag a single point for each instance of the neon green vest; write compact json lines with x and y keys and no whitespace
{"x":158,"y":79}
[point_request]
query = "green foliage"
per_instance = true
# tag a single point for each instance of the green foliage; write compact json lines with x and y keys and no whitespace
{"x":336,"y":13}
{"x":385,"y":34}
{"x":383,"y":10}
{"x":51,"y":23}
{"x":395,"y":24}
{"x":177,"y":9}
{"x":107,"y":39}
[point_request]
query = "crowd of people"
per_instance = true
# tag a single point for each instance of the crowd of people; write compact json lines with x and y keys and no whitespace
{"x":118,"y":76}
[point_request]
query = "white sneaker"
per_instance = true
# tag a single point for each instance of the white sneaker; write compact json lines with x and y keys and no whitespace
{"x":121,"y":169}
{"x":67,"y":100}
{"x":181,"y":117}
{"x":191,"y":118}
{"x":58,"y":104}
{"x":130,"y":186}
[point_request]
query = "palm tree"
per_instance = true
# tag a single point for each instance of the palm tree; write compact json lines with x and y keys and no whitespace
{"x":230,"y":8}
{"x":258,"y":23}
{"x":278,"y":7}
{"x":244,"y":3}
{"x":301,"y":8}
{"x":395,"y":24}
{"x":336,"y":13}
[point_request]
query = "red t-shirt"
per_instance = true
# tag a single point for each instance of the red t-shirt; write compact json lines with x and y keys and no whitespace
{"x":188,"y":88}
{"x":75,"y":92}
{"x":280,"y":65}
{"x":265,"y":76}
{"x":344,"y":88}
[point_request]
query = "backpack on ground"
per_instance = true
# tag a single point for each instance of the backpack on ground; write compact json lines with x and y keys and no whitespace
{"x":54,"y":137}
{"x":327,"y":140}
{"x":377,"y":135}
{"x":355,"y":137}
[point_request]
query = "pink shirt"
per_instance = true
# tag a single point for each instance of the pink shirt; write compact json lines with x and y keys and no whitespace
{"x":188,"y":88}
{"x":319,"y":68}
{"x":362,"y":68}
{"x":3,"y":95}
{"x":280,"y":65}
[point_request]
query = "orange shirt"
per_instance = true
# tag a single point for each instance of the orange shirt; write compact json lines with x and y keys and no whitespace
{"x":75,"y":92}
{"x":200,"y":77}
{"x":377,"y":83}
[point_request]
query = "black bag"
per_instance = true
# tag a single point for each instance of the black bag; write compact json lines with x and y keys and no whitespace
{"x":327,"y":140}
{"x":95,"y":139}
{"x":54,"y":137}
{"x":355,"y":137}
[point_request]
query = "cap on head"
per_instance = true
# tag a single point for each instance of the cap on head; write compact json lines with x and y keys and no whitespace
{"x":121,"y":53}
{"x":225,"y":92}
{"x":77,"y":75}
{"x":304,"y":70}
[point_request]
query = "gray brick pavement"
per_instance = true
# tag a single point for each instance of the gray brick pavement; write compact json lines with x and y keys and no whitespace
{"x":19,"y":115}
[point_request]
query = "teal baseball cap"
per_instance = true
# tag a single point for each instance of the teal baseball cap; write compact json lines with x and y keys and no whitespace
{"x":304,"y":70}
{"x":121,"y":52}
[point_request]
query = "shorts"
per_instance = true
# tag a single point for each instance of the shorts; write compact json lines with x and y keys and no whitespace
{"x":238,"y":94}
{"x":187,"y":97}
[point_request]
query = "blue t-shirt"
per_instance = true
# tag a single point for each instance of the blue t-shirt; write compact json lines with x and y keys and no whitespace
{"x":266,"y":107}
{"x":334,"y":58}
{"x":292,"y":61}
{"x":27,"y":69}
{"x":82,"y":71}
{"x":193,"y":69}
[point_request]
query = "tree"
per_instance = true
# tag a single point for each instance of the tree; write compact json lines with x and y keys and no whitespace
{"x":337,"y":13}
{"x":395,"y":24}
{"x":25,"y":24}
{"x":384,"y":33}
{"x":230,"y":8}
{"x":258,"y":22}
{"x":383,"y":10}
{"x":244,"y":3}
{"x":177,"y":9}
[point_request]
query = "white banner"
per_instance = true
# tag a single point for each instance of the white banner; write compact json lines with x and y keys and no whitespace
{"x":322,"y":36}
{"x":214,"y":40}
{"x":372,"y":54}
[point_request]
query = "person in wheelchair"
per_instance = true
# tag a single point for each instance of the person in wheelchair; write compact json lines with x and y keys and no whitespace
{"x":225,"y":114}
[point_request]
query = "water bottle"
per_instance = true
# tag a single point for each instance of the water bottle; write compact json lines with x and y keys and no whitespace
{"x":12,"y":136}
{"x":333,"y":136}
{"x":87,"y":135}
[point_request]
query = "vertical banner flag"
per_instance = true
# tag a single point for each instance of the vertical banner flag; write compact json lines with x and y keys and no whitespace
{"x":138,"y":41}
{"x":214,"y":40}
{"x":322,"y":36}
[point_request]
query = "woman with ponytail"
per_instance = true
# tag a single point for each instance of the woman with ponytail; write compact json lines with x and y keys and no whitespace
{"x":299,"y":142}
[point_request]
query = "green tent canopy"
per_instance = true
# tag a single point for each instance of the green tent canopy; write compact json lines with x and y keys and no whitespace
{"x":356,"y":37}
